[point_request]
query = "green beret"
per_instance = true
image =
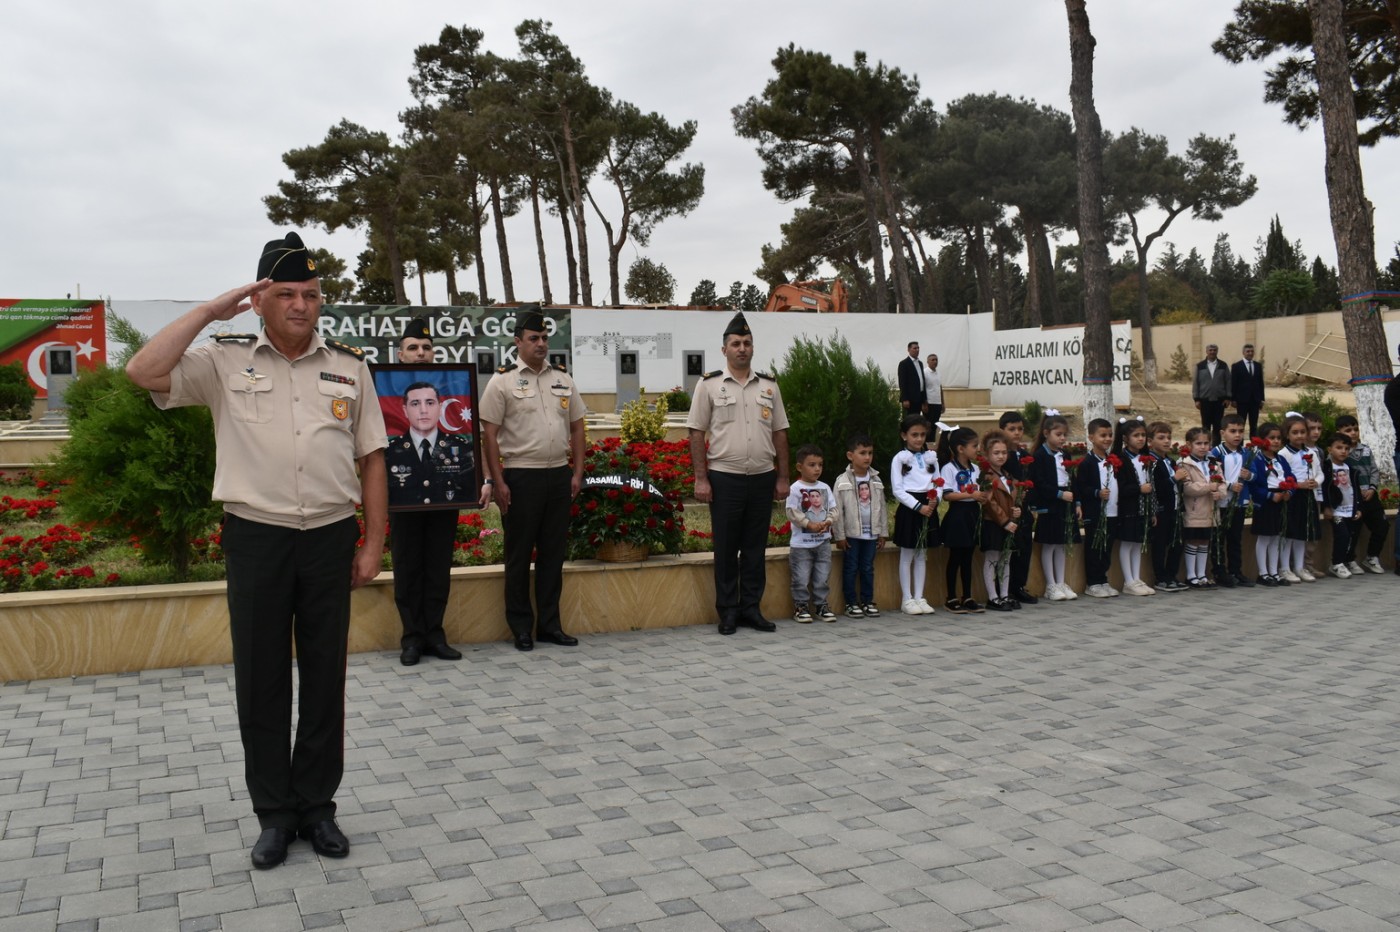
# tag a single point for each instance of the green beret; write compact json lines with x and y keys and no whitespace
{"x":286,"y":260}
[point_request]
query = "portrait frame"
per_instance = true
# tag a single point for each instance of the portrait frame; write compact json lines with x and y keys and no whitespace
{"x":453,"y":481}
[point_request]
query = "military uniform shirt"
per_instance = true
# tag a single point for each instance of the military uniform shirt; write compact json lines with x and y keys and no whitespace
{"x":445,"y":480}
{"x":534,"y":412}
{"x":288,"y":431}
{"x":740,"y":419}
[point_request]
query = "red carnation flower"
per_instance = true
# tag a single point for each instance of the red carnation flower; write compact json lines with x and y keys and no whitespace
{"x":1114,"y":461}
{"x":1027,"y":460}
{"x":938,"y":483}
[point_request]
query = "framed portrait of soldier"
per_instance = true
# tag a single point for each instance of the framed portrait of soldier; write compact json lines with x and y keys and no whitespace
{"x":430,"y":415}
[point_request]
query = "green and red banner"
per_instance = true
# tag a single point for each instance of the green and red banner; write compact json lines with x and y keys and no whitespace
{"x":30,"y":326}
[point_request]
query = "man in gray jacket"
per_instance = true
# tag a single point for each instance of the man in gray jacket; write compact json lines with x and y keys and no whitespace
{"x":1211,"y":391}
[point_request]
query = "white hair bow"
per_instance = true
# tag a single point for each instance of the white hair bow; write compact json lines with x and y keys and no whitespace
{"x":1124,"y":420}
{"x":1052,"y":412}
{"x":1291,"y":414}
{"x":945,"y":427}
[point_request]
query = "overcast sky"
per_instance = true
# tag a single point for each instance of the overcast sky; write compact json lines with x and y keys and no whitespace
{"x":140,"y":137}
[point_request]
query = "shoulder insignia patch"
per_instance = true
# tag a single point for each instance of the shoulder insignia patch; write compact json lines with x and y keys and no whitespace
{"x":509,"y":368}
{"x":711,"y":375}
{"x":234,"y":337}
{"x":346,"y":348}
{"x":765,"y":375}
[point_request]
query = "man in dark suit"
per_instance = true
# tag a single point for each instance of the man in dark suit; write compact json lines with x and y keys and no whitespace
{"x":1247,"y":388}
{"x":1211,"y":391}
{"x":913,"y":387}
{"x":426,"y":467}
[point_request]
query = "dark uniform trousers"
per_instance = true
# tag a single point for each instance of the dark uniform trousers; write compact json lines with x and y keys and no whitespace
{"x":1021,"y":556}
{"x":285,"y":586}
{"x":421,"y":544}
{"x":537,"y":521}
{"x":1229,"y":556}
{"x":739,"y":517}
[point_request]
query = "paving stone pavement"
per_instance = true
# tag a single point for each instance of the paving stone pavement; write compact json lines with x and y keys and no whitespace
{"x":1217,"y":762}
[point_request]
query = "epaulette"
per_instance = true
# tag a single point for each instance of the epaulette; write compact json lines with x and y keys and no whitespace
{"x":509,"y":368}
{"x":764,"y":375}
{"x":239,"y":337}
{"x":346,"y":348}
{"x":711,"y":375}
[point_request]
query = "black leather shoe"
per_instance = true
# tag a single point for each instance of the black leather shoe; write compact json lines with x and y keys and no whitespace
{"x":1243,"y":581}
{"x":271,"y":847}
{"x":728,"y":623}
{"x":560,"y":638}
{"x":1225,"y":580}
{"x":756,"y":621}
{"x":1024,"y":597}
{"x":443,"y":651}
{"x":327,"y":839}
{"x":524,"y":642}
{"x":410,"y":656}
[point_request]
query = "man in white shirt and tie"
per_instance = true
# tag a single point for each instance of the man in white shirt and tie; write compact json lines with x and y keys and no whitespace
{"x":1247,"y":385}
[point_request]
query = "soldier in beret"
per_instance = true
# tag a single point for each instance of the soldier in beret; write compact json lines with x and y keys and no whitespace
{"x":531,"y":428}
{"x":426,"y":467}
{"x":300,"y":440}
{"x":741,"y":474}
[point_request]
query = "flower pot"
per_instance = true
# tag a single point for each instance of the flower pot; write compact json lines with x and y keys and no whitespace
{"x":621,"y":551}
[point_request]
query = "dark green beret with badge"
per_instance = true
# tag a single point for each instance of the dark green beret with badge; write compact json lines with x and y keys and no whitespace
{"x":286,"y":260}
{"x":738,"y":326}
{"x":417,"y":329}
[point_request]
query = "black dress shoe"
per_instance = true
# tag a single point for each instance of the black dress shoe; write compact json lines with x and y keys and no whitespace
{"x":560,"y":638}
{"x":756,"y":621}
{"x":524,"y":642}
{"x":1024,"y":597}
{"x":271,"y":847}
{"x":410,"y":656}
{"x":443,"y":651}
{"x":1226,"y":580}
{"x":1243,"y":581}
{"x":327,"y":839}
{"x":728,"y":623}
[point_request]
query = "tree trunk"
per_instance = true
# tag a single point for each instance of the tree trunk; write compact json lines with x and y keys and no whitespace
{"x":454,"y":297}
{"x":1001,"y":297}
{"x":872,"y":220}
{"x":422,"y":286}
{"x":1149,"y":355}
{"x":546,"y":295}
{"x":982,"y":265}
{"x":1033,"y":268}
{"x":1098,"y":342}
{"x":476,"y":247}
{"x":507,"y":280}
{"x":569,"y":258}
{"x":1051,"y":299}
{"x":1352,"y":230}
{"x":585,"y":278}
{"x":902,"y":283}
{"x":391,"y":249}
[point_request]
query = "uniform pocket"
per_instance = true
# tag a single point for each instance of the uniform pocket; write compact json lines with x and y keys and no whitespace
{"x":250,"y":400}
{"x":339,"y":399}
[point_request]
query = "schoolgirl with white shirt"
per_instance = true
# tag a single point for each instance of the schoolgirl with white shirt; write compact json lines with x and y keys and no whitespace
{"x":914,"y":481}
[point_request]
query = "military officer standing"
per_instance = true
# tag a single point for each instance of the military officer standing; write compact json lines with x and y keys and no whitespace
{"x":426,"y":467}
{"x":531,"y":427}
{"x":744,"y":471}
{"x":294,"y":416}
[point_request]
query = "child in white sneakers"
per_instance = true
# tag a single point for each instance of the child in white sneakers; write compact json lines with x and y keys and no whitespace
{"x":861,"y":527}
{"x":1339,"y":504}
{"x":811,"y":508}
{"x":915,"y":480}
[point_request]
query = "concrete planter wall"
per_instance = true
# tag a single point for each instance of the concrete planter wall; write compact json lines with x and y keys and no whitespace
{"x":100,"y":631}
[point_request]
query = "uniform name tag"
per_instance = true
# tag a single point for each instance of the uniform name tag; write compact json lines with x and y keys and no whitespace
{"x":340,"y":379}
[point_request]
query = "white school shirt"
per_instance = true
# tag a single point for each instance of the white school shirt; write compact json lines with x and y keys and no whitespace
{"x":1110,"y":507}
{"x":1315,"y":470}
{"x":951,"y":474}
{"x":1231,"y":462}
{"x":1298,"y":466}
{"x":919,"y":478}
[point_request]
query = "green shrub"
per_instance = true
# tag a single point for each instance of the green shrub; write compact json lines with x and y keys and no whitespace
{"x":134,"y":467}
{"x":641,"y":424}
{"x":828,"y":399}
{"x":1032,"y":412}
{"x":1180,"y":370}
{"x":1312,"y":400}
{"x":677,"y":399}
{"x":16,"y":394}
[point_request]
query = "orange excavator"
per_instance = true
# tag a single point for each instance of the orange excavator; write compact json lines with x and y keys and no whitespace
{"x":822,"y":296}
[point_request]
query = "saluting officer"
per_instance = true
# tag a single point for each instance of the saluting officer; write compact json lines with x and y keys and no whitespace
{"x":294,"y":415}
{"x":531,"y":426}
{"x":421,"y":541}
{"x":743,"y":473}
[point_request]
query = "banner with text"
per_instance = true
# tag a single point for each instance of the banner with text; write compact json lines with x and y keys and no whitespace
{"x":30,"y":326}
{"x":1047,"y":365}
{"x":459,"y":333}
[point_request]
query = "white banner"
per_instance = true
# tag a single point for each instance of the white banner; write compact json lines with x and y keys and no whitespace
{"x":1046,"y":365}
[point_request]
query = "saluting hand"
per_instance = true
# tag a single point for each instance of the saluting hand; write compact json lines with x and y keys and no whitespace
{"x":235,"y":301}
